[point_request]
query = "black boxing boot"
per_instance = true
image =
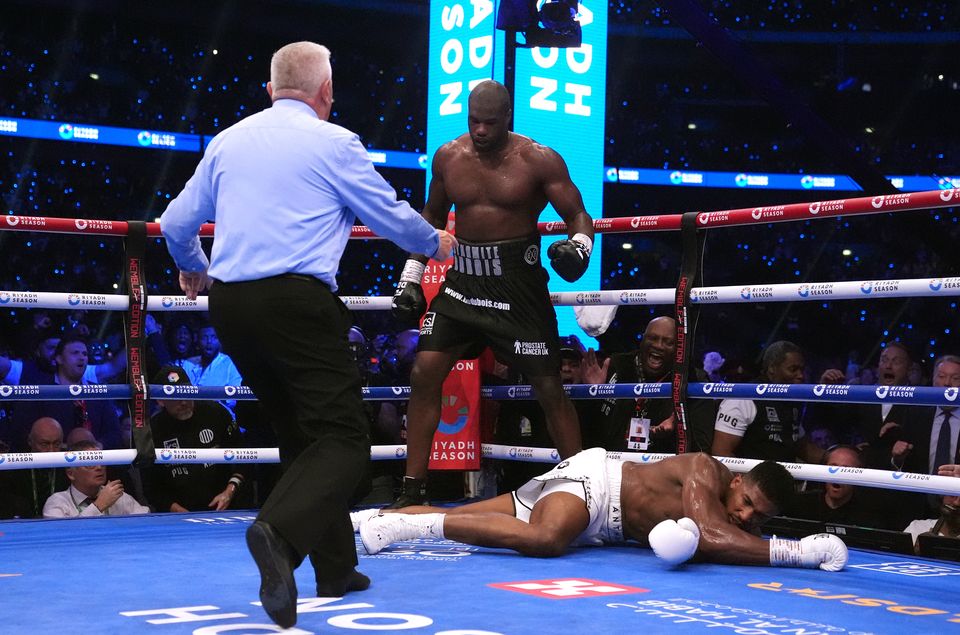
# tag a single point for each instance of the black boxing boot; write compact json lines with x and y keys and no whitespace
{"x":413,"y":492}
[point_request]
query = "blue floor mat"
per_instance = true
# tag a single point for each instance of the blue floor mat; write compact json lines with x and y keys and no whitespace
{"x":190,"y":573}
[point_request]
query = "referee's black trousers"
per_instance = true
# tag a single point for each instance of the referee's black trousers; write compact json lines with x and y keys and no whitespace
{"x":288,"y":338}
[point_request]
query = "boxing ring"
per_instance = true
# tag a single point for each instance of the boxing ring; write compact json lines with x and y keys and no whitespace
{"x":191,"y":573}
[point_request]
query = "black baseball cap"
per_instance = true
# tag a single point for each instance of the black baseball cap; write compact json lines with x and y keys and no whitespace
{"x":171,"y":375}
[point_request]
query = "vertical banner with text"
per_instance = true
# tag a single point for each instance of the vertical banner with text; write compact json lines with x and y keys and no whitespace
{"x":560,"y":101}
{"x":465,"y":49}
{"x":456,"y":444}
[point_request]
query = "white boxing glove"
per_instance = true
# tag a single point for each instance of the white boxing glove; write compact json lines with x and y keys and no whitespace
{"x":820,"y":550}
{"x":675,"y":540}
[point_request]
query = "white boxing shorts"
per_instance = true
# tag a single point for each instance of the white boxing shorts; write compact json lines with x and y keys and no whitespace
{"x":593,"y":478}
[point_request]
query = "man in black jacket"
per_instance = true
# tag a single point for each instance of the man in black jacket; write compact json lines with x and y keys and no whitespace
{"x":642,"y":424}
{"x":184,"y":423}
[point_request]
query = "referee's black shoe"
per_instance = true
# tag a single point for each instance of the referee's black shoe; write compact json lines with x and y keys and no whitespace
{"x":354,"y":581}
{"x":275,"y":559}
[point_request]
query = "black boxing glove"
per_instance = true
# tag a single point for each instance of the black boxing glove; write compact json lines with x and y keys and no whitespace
{"x":570,"y":257}
{"x":409,"y":303}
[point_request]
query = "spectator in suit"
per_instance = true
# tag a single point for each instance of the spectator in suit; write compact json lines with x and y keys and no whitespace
{"x":873,"y":428}
{"x":90,"y":494}
{"x":929,"y":441}
{"x":932,"y":440}
{"x":23,"y":492}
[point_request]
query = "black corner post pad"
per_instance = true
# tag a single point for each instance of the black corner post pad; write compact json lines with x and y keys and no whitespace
{"x":135,"y":245}
{"x":691,"y":249}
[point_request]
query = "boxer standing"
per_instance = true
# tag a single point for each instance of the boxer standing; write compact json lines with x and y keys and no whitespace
{"x":496,"y":292}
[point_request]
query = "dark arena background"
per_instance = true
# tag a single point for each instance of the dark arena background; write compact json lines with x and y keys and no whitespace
{"x":106,"y":106}
{"x":856,"y":89}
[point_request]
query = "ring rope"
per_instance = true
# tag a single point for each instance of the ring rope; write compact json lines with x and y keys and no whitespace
{"x":834,"y":393}
{"x":733,"y":294}
{"x":864,"y":477}
{"x":911,"y":201}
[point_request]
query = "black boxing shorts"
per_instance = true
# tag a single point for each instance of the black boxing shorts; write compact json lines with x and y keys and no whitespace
{"x":496,"y":295}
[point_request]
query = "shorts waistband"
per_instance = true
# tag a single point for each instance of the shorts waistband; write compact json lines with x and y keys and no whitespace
{"x":614,"y":524}
{"x":498,"y":258}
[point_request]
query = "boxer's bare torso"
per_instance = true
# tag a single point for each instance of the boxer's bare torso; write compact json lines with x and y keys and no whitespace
{"x":727,"y":508}
{"x":498,"y":195}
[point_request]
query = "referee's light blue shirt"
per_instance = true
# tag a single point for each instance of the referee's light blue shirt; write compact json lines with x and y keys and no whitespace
{"x":283,"y":188}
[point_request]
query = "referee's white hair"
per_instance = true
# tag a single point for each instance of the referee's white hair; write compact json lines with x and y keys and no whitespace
{"x":301,"y":67}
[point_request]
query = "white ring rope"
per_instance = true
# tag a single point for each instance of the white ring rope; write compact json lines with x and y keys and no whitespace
{"x":733,"y":294}
{"x":863,"y":477}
